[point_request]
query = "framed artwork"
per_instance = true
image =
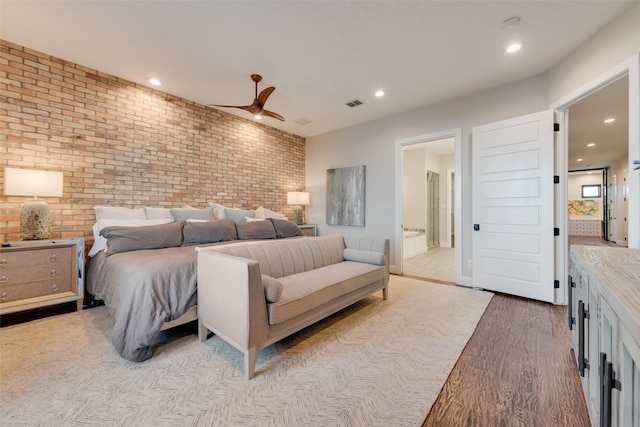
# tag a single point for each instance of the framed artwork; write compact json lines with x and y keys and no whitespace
{"x":346,"y":196}
{"x":583,"y":207}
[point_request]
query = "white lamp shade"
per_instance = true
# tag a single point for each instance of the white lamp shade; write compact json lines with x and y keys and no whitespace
{"x":30,"y":182}
{"x":297,"y":198}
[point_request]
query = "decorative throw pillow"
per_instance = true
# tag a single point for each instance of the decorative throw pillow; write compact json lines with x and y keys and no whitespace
{"x":126,"y":239}
{"x":255,"y":230}
{"x":262,"y":212}
{"x":190,"y":213}
{"x":196,"y":233}
{"x":249,"y":219}
{"x":100,"y":243}
{"x":238,"y":215}
{"x":117,"y":212}
{"x":369,"y":257}
{"x":285,"y":228}
{"x":158,"y":213}
{"x":272,"y":288}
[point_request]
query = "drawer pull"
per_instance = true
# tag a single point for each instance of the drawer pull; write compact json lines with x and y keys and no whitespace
{"x":3,"y":262}
{"x":4,"y":296}
{"x":4,"y":279}
{"x":54,"y":288}
{"x":53,"y":272}
{"x":53,"y":258}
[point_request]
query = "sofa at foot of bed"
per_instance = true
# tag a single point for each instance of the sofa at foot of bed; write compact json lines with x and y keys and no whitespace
{"x":252,"y":296}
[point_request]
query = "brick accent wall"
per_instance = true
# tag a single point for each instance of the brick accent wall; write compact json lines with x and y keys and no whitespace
{"x":122,"y":144}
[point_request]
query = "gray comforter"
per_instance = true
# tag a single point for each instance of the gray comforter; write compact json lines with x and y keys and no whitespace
{"x":143,"y":290}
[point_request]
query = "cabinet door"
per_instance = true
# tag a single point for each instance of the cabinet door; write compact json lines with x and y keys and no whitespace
{"x":609,"y":330}
{"x":629,"y":409}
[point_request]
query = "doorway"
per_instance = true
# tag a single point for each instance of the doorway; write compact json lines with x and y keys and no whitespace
{"x":427,"y":249}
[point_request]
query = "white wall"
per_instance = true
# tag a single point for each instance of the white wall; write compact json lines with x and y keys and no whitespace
{"x":372,"y":143}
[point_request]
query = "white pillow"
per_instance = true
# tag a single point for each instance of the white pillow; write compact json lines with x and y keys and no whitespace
{"x":100,"y":243}
{"x":264,"y":213}
{"x":218,"y":210}
{"x":249,"y":219}
{"x":111,"y":212}
{"x":158,"y":213}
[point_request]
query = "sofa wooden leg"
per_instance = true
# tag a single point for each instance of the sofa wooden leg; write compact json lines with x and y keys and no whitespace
{"x":385,"y":293}
{"x":250,"y":363}
{"x":202,"y":332}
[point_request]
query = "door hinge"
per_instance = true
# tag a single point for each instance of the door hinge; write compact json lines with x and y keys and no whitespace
{"x":556,"y":284}
{"x":556,"y":127}
{"x":556,"y":231}
{"x":556,"y":179}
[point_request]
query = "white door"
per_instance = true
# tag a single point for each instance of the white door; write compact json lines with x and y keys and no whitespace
{"x":513,"y":206}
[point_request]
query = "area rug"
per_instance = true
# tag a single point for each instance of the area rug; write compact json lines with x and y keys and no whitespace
{"x":376,"y":363}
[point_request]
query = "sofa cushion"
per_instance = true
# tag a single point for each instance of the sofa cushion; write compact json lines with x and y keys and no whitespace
{"x":197,"y":233}
{"x":369,"y":257}
{"x":255,"y":230}
{"x":125,"y":239}
{"x":285,"y":228}
{"x":305,"y":291}
{"x":272,"y":288}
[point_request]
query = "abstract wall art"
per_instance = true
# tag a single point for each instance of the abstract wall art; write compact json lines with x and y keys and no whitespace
{"x":346,"y":196}
{"x":586,"y":207}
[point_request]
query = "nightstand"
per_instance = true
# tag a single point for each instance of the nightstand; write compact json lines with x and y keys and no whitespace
{"x":40,"y":273}
{"x":309,"y":229}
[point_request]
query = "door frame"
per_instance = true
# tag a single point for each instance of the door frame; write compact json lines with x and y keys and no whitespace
{"x":630,"y":67}
{"x":456,"y":134}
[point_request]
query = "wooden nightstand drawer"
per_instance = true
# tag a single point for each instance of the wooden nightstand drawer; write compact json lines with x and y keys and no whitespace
{"x":18,"y":258}
{"x":10,"y":293}
{"x":14,"y":276}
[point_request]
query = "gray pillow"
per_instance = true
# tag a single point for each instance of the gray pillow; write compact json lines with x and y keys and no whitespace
{"x":197,"y":233}
{"x":184,"y":214}
{"x":369,"y":257}
{"x":126,"y":239}
{"x":272,"y":288}
{"x":238,"y":215}
{"x":285,"y":228}
{"x":255,"y":230}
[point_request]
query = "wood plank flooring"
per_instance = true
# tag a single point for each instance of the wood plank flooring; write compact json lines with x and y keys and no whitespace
{"x":517,"y":370}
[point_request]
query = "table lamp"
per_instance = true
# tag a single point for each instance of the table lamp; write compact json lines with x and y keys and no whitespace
{"x":35,"y":219}
{"x":298,"y":198}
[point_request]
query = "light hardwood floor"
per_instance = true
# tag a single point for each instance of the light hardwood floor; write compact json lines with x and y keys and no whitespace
{"x":437,"y":265}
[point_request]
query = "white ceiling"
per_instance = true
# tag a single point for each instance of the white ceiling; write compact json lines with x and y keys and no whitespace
{"x":318,"y":54}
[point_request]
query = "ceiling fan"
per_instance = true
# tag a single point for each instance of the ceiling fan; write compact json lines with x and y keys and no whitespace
{"x":257,"y":108}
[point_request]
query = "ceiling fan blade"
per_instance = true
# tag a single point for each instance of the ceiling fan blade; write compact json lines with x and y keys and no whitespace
{"x":262,"y":98}
{"x":272,"y":114}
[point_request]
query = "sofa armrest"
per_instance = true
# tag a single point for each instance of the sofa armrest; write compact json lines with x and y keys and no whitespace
{"x":370,"y":244}
{"x":231,"y":299}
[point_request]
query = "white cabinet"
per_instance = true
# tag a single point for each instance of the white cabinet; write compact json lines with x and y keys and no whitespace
{"x":604,"y":313}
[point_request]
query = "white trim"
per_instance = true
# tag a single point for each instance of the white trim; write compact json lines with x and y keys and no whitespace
{"x":456,"y":134}
{"x":630,"y":67}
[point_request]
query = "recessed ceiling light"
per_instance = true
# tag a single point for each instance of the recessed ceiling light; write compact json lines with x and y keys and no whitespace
{"x":610,"y":120}
{"x":155,"y":82}
{"x":579,"y":160}
{"x":379,"y":93}
{"x":257,"y":117}
{"x":591,"y":144}
{"x":513,"y":48}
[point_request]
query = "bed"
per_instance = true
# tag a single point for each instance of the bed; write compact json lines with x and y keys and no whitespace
{"x":146,"y":274}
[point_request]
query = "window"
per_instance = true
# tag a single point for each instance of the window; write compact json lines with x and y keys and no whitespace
{"x":590,"y":191}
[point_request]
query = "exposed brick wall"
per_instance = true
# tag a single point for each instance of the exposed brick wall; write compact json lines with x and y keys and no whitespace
{"x":122,"y":144}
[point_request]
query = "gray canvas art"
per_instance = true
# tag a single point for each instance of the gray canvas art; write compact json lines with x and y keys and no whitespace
{"x":345,"y":196}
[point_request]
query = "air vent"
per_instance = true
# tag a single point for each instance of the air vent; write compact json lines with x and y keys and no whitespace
{"x":354,"y":103}
{"x":302,"y":121}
